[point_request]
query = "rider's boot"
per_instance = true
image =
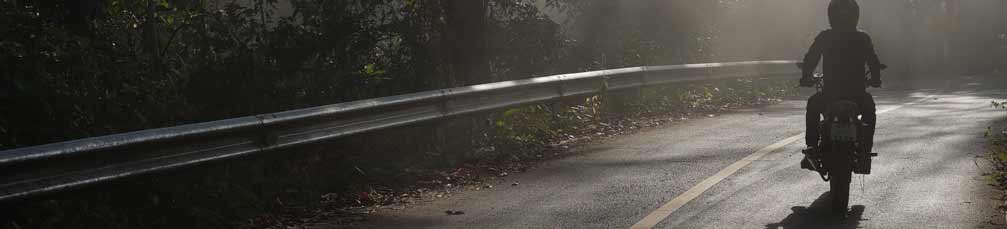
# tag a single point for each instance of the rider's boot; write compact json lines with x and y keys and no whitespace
{"x":809,"y":158}
{"x":866,"y":145}
{"x":809,"y":161}
{"x":843,"y":215}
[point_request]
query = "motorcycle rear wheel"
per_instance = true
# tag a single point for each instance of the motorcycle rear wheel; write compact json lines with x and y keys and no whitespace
{"x":839,"y":163}
{"x":839,"y":183}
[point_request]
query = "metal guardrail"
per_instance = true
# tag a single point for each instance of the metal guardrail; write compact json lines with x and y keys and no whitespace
{"x":59,"y":166}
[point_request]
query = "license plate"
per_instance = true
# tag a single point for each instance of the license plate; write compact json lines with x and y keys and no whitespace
{"x":844,"y":132}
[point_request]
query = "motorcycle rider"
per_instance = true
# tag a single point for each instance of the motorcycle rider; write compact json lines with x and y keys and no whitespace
{"x":846,"y":51}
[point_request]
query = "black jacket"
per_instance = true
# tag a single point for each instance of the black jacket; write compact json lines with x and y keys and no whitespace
{"x":846,"y":54}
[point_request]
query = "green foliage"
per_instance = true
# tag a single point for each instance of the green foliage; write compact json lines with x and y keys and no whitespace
{"x":67,"y":84}
{"x":140,"y":65}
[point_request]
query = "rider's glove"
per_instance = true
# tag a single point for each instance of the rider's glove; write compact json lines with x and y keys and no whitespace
{"x":874,"y":82}
{"x":807,"y":82}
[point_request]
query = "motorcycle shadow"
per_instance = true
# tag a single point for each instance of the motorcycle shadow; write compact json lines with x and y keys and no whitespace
{"x":819,"y":215}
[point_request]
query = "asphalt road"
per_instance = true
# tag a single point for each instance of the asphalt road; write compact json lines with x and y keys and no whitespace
{"x":927,"y":176}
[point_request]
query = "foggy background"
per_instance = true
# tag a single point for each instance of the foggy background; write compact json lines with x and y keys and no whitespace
{"x":916,"y":38}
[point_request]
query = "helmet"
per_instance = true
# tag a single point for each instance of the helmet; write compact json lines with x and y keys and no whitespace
{"x":844,"y":14}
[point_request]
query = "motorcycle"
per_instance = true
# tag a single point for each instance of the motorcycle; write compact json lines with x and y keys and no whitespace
{"x":839,"y":154}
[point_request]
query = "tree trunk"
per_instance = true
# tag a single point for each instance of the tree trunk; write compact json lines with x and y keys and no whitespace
{"x":468,"y":63}
{"x":465,"y":36}
{"x":81,"y":12}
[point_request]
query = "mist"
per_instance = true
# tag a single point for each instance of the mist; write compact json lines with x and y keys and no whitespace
{"x":916,"y":38}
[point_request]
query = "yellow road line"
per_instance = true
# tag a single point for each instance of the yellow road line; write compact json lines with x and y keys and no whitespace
{"x":665,"y":210}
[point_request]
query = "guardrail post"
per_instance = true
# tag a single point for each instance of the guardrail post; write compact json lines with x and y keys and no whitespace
{"x":440,"y":136}
{"x":453,"y":136}
{"x":604,"y":99}
{"x":265,"y":138}
{"x":641,"y":93}
{"x":558,"y":105}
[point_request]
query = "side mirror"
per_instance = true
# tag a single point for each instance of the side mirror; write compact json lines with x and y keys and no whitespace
{"x":800,"y":65}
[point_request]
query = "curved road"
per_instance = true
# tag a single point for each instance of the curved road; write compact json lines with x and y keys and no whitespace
{"x":928,"y":174}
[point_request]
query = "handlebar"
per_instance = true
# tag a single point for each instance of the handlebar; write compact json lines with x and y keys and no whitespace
{"x":817,"y":77}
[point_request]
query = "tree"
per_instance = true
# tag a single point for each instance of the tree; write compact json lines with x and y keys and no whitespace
{"x":466,"y":41}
